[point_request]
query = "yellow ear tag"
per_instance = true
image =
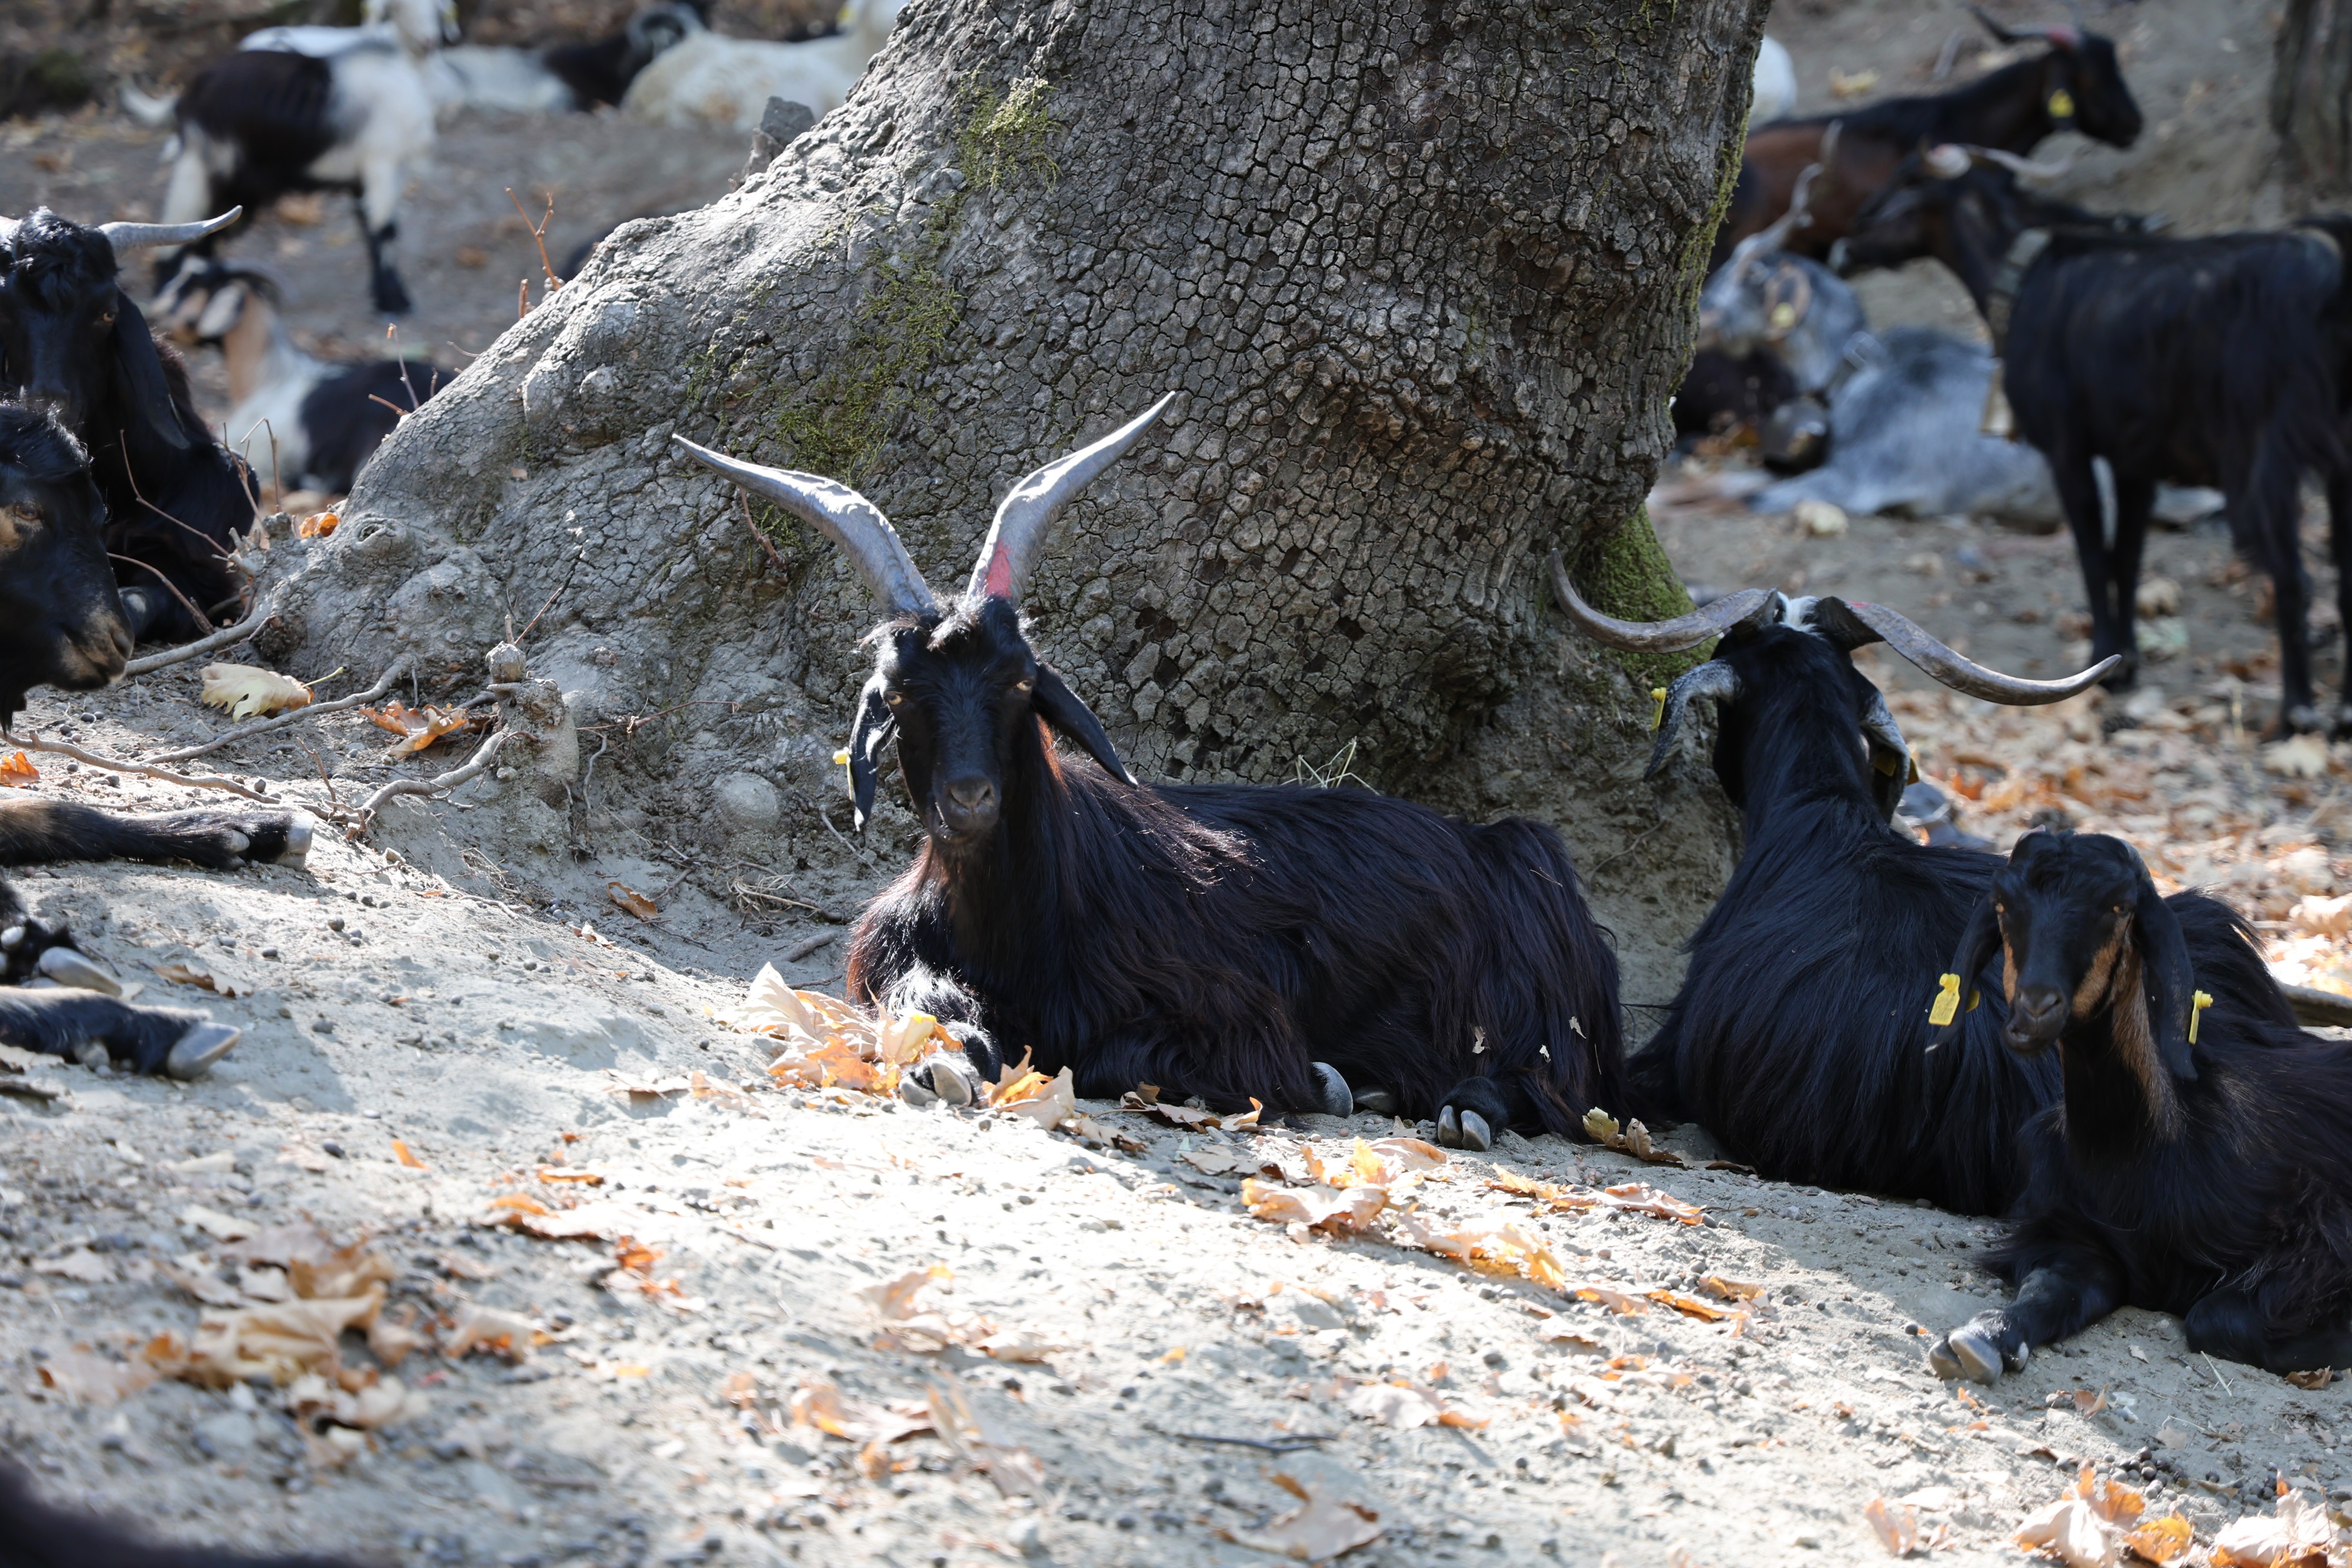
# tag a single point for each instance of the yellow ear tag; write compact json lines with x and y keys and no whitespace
{"x":1947,"y":1001}
{"x":2198,"y":1002}
{"x":1784,"y":316}
{"x":841,"y":758}
{"x":1658,"y":695}
{"x":2061,"y":105}
{"x":1885,"y":763}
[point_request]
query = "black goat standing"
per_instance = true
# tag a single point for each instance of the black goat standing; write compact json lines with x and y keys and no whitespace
{"x":2196,"y":1164}
{"x":2076,"y":85}
{"x":1229,"y":941}
{"x":72,"y":339}
{"x":1798,"y":1036}
{"x":61,"y":625}
{"x":2208,"y":361}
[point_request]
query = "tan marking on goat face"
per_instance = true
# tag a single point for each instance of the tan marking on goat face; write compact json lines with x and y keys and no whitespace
{"x":15,"y":521}
{"x":2094,"y":994}
{"x":2008,"y":972}
{"x":2123,"y":996}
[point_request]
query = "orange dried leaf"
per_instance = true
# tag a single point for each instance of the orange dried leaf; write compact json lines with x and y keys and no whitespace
{"x":629,"y":899}
{"x":247,"y":689}
{"x":318,"y":525}
{"x":406,"y":1156}
{"x":1322,"y":1527}
{"x":417,"y":728}
{"x":1898,"y":1532}
{"x":1341,"y":1210}
{"x":16,"y":771}
{"x":2162,"y":1539}
{"x":1691,"y":1306}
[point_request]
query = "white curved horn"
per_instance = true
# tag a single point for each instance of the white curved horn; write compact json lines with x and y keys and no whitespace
{"x":1029,"y":509}
{"x":842,"y":515}
{"x":126,"y":238}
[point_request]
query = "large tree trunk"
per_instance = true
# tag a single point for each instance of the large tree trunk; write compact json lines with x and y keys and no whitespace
{"x":1425,"y":276}
{"x":2311,"y":92}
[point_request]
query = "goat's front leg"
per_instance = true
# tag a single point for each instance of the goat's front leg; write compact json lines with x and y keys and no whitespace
{"x":957,"y":1077}
{"x":91,"y":1028}
{"x":219,"y":839}
{"x":2058,"y":1298}
{"x":379,"y":211}
{"x":2340,"y":549}
{"x":2078,"y":493}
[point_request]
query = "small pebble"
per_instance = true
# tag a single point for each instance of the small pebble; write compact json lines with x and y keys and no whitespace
{"x":332,"y":1148}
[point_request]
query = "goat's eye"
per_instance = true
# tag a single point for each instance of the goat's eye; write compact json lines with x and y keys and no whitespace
{"x":19,"y":513}
{"x":894,"y":698}
{"x":1025,"y":686}
{"x":105,"y":318}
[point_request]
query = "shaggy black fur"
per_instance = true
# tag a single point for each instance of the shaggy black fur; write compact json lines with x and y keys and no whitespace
{"x":72,"y":339}
{"x":1800,"y":1036}
{"x":2208,"y":360}
{"x":2211,"y":1179}
{"x":1214,"y":941}
{"x":347,"y":416}
{"x":2010,"y":108}
{"x":599,"y":73}
{"x":35,"y":1535}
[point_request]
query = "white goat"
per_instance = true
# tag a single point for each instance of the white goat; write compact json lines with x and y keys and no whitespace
{"x":267,"y":120}
{"x":1774,"y":92}
{"x":715,"y":81}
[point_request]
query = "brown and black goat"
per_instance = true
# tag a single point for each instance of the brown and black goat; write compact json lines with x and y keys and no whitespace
{"x":61,"y":625}
{"x":1311,"y":949}
{"x":2075,"y":85}
{"x":2197,"y":1162}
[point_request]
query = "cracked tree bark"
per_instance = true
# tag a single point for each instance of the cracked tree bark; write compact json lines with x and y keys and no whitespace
{"x":1422,"y":274}
{"x":2311,"y":92}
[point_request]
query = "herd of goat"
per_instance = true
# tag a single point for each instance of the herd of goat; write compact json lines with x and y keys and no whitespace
{"x":2041,"y":1036}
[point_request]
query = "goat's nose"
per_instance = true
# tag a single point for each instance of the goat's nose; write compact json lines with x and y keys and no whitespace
{"x":969,"y":803}
{"x":2039,"y":1004}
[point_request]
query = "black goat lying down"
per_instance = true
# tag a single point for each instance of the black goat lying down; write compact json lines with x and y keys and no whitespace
{"x":35,"y":1535}
{"x":2195,"y":1166}
{"x":61,"y":625}
{"x":1799,"y":1037}
{"x":2204,"y":360}
{"x":1229,"y":941}
{"x":72,"y":339}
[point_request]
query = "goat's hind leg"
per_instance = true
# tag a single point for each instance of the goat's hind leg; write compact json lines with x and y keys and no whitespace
{"x":379,"y":211}
{"x":2057,"y":1300}
{"x":90,"y":1028}
{"x":2340,"y":549}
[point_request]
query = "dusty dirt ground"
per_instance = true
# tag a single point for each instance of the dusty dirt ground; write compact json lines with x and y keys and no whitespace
{"x":1125,"y":1357}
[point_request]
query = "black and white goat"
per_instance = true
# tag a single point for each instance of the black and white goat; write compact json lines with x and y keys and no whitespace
{"x":261,"y":122}
{"x":1306,"y":948}
{"x":562,"y":76}
{"x":2197,"y":1162}
{"x":72,"y":341}
{"x":1799,"y":1037}
{"x":712,"y":80}
{"x":61,"y":625}
{"x":299,"y":420}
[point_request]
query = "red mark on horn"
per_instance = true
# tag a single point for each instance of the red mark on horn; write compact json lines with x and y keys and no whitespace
{"x":998,"y":585}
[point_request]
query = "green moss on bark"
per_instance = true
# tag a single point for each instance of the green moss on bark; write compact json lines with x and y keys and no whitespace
{"x":1628,"y":576}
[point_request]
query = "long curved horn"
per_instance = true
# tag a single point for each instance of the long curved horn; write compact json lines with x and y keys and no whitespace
{"x":126,"y":238}
{"x":1854,"y":623}
{"x":842,"y":515}
{"x":2023,"y":167}
{"x":1748,"y":607}
{"x":1027,"y":512}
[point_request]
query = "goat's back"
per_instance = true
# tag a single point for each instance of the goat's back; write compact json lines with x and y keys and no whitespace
{"x":272,"y":102}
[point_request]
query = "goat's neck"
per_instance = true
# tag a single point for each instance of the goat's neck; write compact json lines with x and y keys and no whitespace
{"x":2008,"y":109}
{"x":259,"y":352}
{"x":2120,"y":1098}
{"x":1978,"y":242}
{"x":999,"y":893}
{"x":1804,"y":761}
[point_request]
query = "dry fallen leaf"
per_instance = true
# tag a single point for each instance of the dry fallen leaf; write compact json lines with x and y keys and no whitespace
{"x":81,"y":1375}
{"x":2297,"y":1535}
{"x":629,"y":899}
{"x":1013,"y":1468}
{"x":2317,"y":1378}
{"x":406,"y":1156}
{"x":1341,"y":1210}
{"x":1227,"y":1162}
{"x":417,"y":728}
{"x":824,"y":1406}
{"x":81,"y":1264}
{"x":318,"y":525}
{"x":16,"y":771}
{"x":479,"y":1327}
{"x":1396,"y":1405}
{"x":247,"y":689}
{"x":2296,"y":757}
{"x":1323,"y":1526}
{"x":1898,"y":1532}
{"x":216,"y":1225}
{"x":2071,"y":1531}
{"x":205,"y":975}
{"x":2162,"y":1539}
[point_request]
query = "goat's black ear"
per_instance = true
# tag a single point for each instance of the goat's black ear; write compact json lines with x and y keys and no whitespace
{"x":1059,"y":706}
{"x":146,"y":397}
{"x":874,"y":729}
{"x":1978,"y":943}
{"x":2171,"y":980}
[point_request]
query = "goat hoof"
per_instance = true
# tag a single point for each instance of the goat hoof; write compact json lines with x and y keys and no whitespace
{"x":66,"y":967}
{"x":298,"y":835}
{"x":194,"y":1053}
{"x":1376,"y":1102}
{"x":955,"y":1082}
{"x":1474,"y":1134}
{"x":913,"y":1091}
{"x":92,"y":1053}
{"x":11,"y":938}
{"x":236,"y":843}
{"x":1971,"y":1354}
{"x":1449,"y":1127}
{"x":1338,"y":1101}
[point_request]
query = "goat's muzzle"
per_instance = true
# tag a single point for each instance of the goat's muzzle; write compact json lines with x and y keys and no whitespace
{"x":2036,"y":1018}
{"x":966,"y":809}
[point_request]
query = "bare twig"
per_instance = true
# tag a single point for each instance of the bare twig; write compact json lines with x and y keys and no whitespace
{"x":209,"y":542}
{"x":115,"y":764}
{"x":483,"y":757}
{"x":539,"y":234}
{"x":169,"y":586}
{"x":801,"y":950}
{"x":860,"y":856}
{"x":757,"y":533}
{"x":227,"y":636}
{"x":388,"y":403}
{"x":316,"y":710}
{"x":1290,"y":1445}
